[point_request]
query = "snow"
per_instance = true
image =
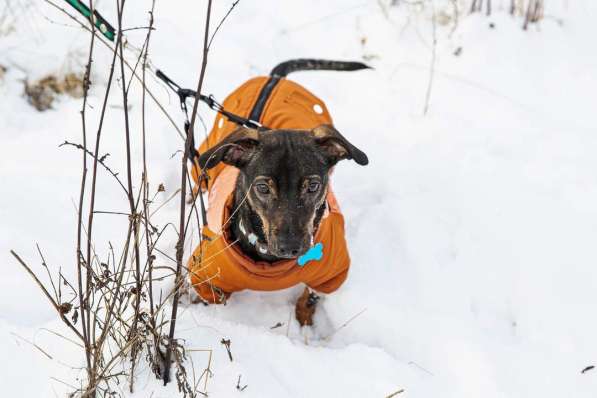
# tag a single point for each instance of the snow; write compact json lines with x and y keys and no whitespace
{"x":472,"y":231}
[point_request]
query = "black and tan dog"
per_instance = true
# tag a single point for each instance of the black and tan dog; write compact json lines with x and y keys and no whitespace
{"x":273,"y":221}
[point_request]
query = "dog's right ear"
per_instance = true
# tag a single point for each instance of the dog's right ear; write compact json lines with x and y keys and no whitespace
{"x":336,"y":146}
{"x":235,"y":150}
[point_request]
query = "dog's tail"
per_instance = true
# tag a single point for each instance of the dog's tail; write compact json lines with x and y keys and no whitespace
{"x":303,"y":64}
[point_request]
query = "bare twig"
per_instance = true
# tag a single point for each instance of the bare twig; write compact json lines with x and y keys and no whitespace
{"x":221,"y":23}
{"x":79,"y":254}
{"x":226,"y":344}
{"x":183,"y":192}
{"x":45,"y":265}
{"x":131,"y":199}
{"x":101,"y":160}
{"x":238,"y":386}
{"x":392,"y":395}
{"x":87,"y":295}
{"x":145,"y":181}
{"x":48,"y":295}
{"x":33,"y":345}
{"x":432,"y":64}
{"x":352,"y":318}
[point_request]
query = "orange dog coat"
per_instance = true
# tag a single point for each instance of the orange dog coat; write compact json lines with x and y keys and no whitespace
{"x":217,"y":266}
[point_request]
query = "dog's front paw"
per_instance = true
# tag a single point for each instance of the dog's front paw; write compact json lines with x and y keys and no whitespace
{"x":305,"y":307}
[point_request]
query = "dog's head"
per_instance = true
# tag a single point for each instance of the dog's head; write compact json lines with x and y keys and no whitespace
{"x":284,"y":175}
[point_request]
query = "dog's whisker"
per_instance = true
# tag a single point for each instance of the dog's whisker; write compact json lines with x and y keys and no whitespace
{"x":237,"y":208}
{"x":228,"y":246}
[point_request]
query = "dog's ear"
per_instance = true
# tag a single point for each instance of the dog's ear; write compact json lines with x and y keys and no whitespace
{"x":336,"y":146}
{"x":236,"y":149}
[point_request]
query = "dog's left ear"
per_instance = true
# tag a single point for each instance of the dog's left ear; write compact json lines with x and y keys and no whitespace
{"x":336,"y":146}
{"x":235,"y":150}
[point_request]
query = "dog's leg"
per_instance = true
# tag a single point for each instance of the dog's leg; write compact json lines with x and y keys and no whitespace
{"x":305,"y":307}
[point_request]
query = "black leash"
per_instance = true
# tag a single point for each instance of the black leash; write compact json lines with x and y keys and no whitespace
{"x":184,"y":93}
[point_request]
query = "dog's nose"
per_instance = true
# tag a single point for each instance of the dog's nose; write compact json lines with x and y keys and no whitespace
{"x":289,"y":249}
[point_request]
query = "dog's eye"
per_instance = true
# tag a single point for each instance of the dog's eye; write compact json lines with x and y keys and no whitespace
{"x":313,"y":187}
{"x":262,"y":188}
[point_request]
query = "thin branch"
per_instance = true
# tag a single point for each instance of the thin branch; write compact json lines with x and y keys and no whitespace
{"x":432,"y":65}
{"x":92,"y":206}
{"x":79,"y":253}
{"x":221,"y":23}
{"x":145,"y":182}
{"x":101,"y":161}
{"x":132,"y":205}
{"x":48,"y":295}
{"x":181,"y":236}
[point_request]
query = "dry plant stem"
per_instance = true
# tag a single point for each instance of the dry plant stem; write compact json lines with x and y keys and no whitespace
{"x":473,"y":6}
{"x":100,"y":160}
{"x":90,"y":392}
{"x":392,"y":395}
{"x":533,"y":13}
{"x":145,"y":182}
{"x":61,"y":336}
{"x":93,"y":188}
{"x":57,"y":294}
{"x":527,"y":17}
{"x":193,"y":204}
{"x":432,"y":65}
{"x":48,"y":295}
{"x":455,"y":16}
{"x":33,"y":345}
{"x":110,"y":302}
{"x":131,"y":199}
{"x":144,"y":144}
{"x":216,"y":30}
{"x":79,"y":254}
{"x":110,"y":308}
{"x":98,"y":345}
{"x":352,"y":318}
{"x":181,"y":237}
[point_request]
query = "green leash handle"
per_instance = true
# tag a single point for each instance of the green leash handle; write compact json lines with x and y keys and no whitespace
{"x":100,"y":23}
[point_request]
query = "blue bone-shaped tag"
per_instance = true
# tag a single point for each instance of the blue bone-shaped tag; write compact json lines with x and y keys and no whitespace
{"x":314,"y":253}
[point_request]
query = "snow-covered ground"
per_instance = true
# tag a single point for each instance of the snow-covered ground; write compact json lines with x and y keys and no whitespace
{"x":473,"y":231}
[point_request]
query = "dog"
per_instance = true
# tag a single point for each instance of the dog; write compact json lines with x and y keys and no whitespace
{"x":273,"y":221}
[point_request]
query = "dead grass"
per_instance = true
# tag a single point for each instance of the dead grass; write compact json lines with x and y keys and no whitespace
{"x":42,"y":93}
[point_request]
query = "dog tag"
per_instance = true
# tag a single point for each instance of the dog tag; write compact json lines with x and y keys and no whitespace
{"x":314,"y":253}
